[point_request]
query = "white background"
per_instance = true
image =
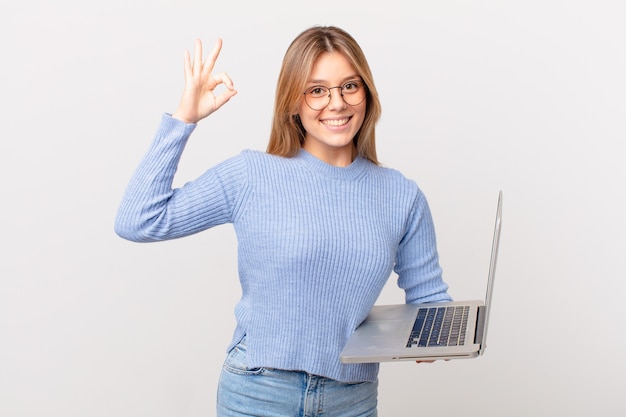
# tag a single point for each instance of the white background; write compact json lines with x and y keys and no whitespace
{"x":478,"y":96}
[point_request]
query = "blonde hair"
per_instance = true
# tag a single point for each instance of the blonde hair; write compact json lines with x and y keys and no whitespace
{"x":287,"y":134}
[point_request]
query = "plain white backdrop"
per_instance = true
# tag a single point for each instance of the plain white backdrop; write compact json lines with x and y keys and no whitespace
{"x":527,"y":97}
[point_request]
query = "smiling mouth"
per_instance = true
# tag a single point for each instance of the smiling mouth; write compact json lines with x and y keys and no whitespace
{"x":335,"y":122}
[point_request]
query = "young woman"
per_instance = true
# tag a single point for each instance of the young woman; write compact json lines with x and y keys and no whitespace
{"x":320,"y":227}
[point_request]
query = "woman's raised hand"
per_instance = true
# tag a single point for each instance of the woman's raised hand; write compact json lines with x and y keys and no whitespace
{"x":199,"y":98}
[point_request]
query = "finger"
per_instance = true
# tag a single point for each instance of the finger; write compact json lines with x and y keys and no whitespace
{"x":187,"y":65}
{"x":212,"y":58}
{"x":197,"y":61}
{"x":224,"y":78}
{"x":224,"y":97}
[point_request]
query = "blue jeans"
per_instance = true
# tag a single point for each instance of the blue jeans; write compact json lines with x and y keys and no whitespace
{"x":265,"y":392}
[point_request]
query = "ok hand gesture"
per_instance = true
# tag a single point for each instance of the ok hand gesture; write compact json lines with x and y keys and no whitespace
{"x":199,"y":99}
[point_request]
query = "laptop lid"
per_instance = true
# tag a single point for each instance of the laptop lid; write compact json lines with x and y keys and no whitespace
{"x":481,"y":330}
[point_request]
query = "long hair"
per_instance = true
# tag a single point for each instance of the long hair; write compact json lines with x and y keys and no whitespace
{"x":287,"y":134}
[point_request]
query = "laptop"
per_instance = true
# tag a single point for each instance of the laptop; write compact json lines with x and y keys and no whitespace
{"x":430,"y":331}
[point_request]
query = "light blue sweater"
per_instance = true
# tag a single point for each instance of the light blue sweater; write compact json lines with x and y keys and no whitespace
{"x":316,"y":243}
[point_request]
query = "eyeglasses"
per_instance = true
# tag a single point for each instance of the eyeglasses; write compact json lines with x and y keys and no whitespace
{"x":318,"y":96}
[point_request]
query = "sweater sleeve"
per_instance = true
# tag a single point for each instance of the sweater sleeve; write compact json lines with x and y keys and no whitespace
{"x":417,"y":260}
{"x":152,"y":211}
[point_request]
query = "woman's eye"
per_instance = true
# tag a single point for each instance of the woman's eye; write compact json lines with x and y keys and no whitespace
{"x":351,"y":86}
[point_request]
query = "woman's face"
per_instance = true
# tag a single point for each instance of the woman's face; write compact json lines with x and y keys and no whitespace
{"x":330,"y":130}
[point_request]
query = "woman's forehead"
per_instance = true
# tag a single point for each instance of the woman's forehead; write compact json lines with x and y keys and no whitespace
{"x":331,"y":67}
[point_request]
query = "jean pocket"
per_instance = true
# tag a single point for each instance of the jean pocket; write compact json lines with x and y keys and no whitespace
{"x":236,"y":362}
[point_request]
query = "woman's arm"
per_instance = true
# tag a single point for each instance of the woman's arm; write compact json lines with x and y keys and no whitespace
{"x":150,"y":209}
{"x":417,"y":260}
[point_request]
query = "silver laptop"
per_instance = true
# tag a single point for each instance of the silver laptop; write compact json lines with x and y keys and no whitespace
{"x":445,"y":330}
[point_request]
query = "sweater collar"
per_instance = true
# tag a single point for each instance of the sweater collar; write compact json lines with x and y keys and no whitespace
{"x":352,"y":171}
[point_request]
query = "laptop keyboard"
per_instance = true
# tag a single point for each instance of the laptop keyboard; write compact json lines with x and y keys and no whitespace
{"x":439,"y":326}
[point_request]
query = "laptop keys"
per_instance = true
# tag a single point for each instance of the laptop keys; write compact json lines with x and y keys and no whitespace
{"x":439,"y":326}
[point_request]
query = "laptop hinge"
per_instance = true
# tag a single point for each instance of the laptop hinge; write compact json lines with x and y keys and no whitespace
{"x":480,"y":325}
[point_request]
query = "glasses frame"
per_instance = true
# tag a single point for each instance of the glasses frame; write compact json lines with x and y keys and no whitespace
{"x":341,"y":88}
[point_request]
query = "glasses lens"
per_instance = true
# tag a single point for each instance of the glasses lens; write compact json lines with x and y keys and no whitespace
{"x":317,"y":97}
{"x":353,"y":92}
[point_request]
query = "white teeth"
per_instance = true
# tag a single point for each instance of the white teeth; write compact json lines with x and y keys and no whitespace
{"x":339,"y":122}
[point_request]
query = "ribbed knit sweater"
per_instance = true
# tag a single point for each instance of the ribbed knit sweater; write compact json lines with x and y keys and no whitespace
{"x":316,"y":243}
